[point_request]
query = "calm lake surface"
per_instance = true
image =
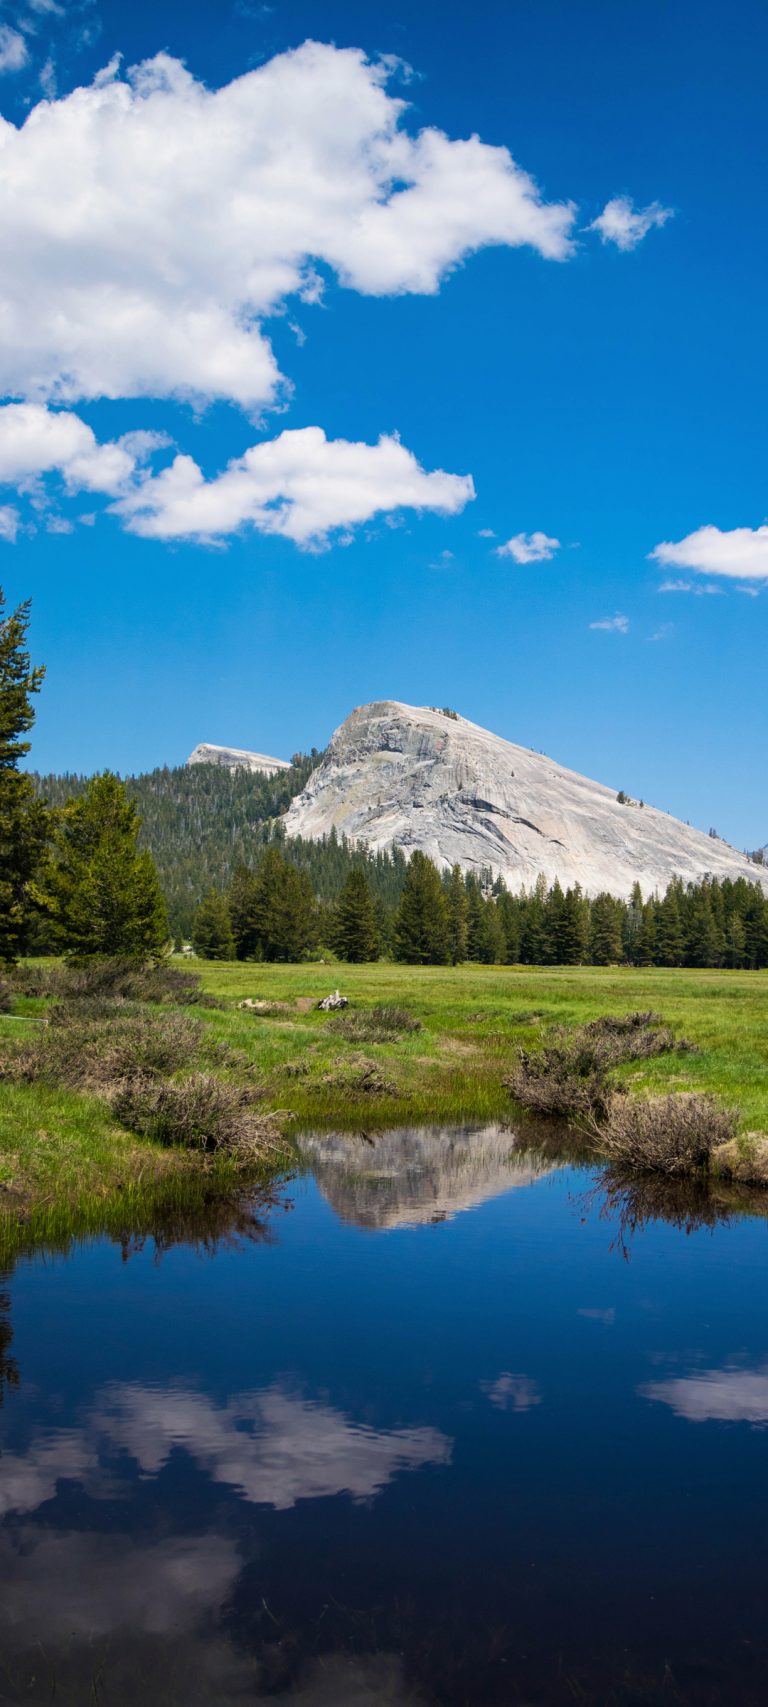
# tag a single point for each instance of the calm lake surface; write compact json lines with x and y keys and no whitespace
{"x":435,"y":1427}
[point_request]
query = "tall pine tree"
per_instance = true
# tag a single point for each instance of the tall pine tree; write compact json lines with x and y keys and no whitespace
{"x":24,"y":820}
{"x":355,"y":934}
{"x":101,"y":894}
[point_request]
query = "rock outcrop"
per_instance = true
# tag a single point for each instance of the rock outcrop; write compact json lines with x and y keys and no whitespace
{"x":397,"y":775}
{"x":236,"y":758}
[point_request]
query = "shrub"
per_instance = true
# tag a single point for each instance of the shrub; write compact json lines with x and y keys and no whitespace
{"x":360,"y":1076}
{"x":617,"y":1025}
{"x":383,"y":1024}
{"x":202,"y":1113}
{"x":7,"y":993}
{"x":132,"y":980}
{"x":569,"y":1076}
{"x":93,"y":1053}
{"x":673,"y":1134}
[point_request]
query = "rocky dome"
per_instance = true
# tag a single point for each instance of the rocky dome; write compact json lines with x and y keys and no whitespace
{"x":236,"y":758}
{"x":413,"y":777}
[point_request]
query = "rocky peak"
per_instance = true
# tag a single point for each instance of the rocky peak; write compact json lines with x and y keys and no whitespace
{"x":414,"y":777}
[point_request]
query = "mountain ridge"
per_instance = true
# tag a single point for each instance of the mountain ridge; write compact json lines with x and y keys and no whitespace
{"x":416,"y":777}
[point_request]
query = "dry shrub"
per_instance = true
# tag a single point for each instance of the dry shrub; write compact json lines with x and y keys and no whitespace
{"x":618,"y":1025}
{"x":94,"y":1053}
{"x":7,"y":994}
{"x":382,"y":1024}
{"x":358,"y":1075}
{"x":132,"y":980}
{"x":113,"y":978}
{"x":43,"y":979}
{"x":673,"y":1134}
{"x":201,"y":1113}
{"x":570,"y":1076}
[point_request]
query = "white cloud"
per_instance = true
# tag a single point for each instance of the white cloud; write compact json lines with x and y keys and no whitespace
{"x":621,"y":223}
{"x":617,"y":624}
{"x":485,"y":533}
{"x":529,"y":548}
{"x":36,"y":441}
{"x":689,"y":587}
{"x":716,"y":1395}
{"x":739,"y":554}
{"x":300,"y":485}
{"x":150,"y":224}
{"x":10,"y":521}
{"x":13,"y":49}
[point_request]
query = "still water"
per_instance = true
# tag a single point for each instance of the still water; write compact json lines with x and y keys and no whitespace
{"x":448,"y":1422}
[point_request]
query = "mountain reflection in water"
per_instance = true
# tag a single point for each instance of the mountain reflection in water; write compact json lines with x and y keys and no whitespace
{"x":281,"y":1456}
{"x":413,"y":1175}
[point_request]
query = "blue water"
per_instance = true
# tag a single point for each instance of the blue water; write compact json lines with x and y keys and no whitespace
{"x":442,"y":1432}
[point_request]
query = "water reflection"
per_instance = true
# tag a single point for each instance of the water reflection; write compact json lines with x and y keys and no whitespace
{"x":272,"y":1448}
{"x":414,"y":1175}
{"x":732,"y":1394}
{"x":383,"y":1472}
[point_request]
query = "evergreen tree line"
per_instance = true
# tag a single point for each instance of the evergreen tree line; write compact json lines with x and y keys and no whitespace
{"x":273,"y":912}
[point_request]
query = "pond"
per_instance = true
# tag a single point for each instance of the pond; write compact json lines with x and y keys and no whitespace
{"x":445,"y":1420}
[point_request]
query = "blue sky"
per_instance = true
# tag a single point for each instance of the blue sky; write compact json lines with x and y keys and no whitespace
{"x":609,"y":398}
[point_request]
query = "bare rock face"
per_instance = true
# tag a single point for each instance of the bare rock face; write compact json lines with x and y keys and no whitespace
{"x":398,"y":775}
{"x":235,"y":758}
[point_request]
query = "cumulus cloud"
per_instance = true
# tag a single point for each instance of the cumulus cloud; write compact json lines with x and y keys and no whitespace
{"x":739,"y":554}
{"x":529,"y":548}
{"x":716,"y":1395}
{"x":300,"y":485}
{"x":617,"y":624}
{"x":150,"y":224}
{"x":36,"y":441}
{"x":10,"y":521}
{"x":13,"y":49}
{"x":626,"y":226}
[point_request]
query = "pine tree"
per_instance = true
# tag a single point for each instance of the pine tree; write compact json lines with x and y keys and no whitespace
{"x":644,"y":948}
{"x":212,"y":936}
{"x":24,"y":820}
{"x":421,"y":930}
{"x":99,"y":891}
{"x":355,"y":935}
{"x":574,"y":928}
{"x":241,"y":904}
{"x":670,"y":945}
{"x":605,"y":932}
{"x":456,"y":905}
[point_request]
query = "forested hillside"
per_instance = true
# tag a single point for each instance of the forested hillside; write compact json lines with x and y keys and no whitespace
{"x":201,"y":822}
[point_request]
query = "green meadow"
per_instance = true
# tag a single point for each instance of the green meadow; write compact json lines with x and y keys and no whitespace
{"x":66,"y":1164}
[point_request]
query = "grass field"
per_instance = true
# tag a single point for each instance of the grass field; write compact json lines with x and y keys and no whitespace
{"x":62,"y":1155}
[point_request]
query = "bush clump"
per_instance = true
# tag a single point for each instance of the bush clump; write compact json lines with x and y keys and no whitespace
{"x":385,"y":1023}
{"x":569,"y":1077}
{"x":113,"y":978}
{"x":673,"y":1135}
{"x":358,"y":1075}
{"x":93,"y":1053}
{"x":202,"y":1112}
{"x":7,"y":994}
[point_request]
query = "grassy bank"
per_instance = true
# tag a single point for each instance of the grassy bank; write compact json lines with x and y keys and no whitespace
{"x":472,"y":1019}
{"x":66,"y":1163}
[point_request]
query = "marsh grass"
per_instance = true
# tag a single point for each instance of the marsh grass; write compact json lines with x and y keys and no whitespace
{"x":61,"y":1147}
{"x":384,"y":1023}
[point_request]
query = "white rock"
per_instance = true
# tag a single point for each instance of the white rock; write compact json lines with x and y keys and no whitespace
{"x":398,"y":775}
{"x":236,"y":758}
